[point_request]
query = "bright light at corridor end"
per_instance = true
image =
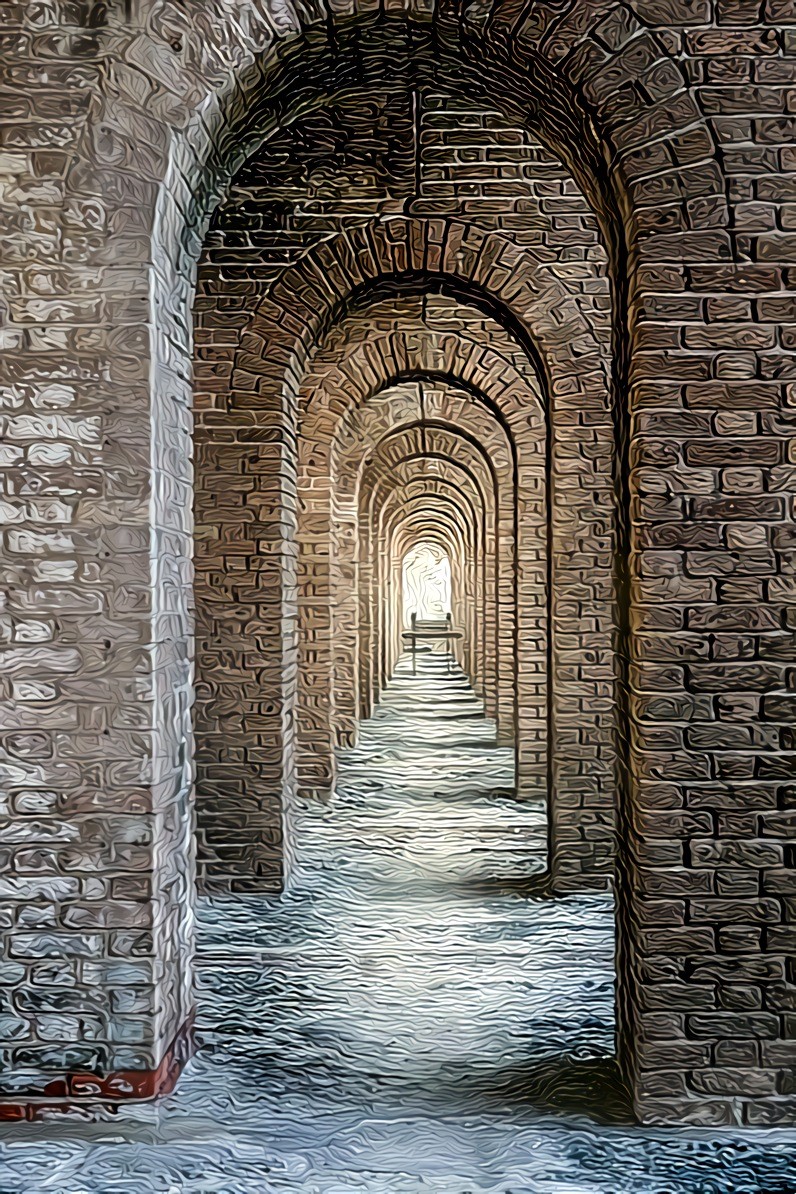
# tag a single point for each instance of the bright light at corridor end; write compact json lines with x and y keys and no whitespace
{"x":426,"y":583}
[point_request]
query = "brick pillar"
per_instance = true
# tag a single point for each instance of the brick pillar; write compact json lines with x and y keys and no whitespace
{"x":246,"y":589}
{"x":582,"y":700}
{"x":344,"y":580}
{"x":710,"y":939}
{"x":530,"y":595}
{"x":98,"y":883}
{"x":246,"y":658}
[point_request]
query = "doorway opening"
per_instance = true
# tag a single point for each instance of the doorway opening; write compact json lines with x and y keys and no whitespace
{"x":427,"y":595}
{"x":380,"y":446}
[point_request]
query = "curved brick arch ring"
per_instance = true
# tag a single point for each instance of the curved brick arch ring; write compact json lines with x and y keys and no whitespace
{"x":332,"y":404}
{"x":316,"y":723}
{"x":604,"y":87}
{"x":435,"y":437}
{"x":343,"y":372}
{"x":458,"y":455}
{"x":368,"y":427}
{"x":417,"y":523}
{"x":349,"y":370}
{"x":408,"y":491}
{"x":428,"y":254}
{"x":417,"y":256}
{"x":430,"y":516}
{"x":435,"y":500}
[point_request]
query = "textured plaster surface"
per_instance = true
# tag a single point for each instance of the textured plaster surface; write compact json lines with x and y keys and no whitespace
{"x":414,"y":1015}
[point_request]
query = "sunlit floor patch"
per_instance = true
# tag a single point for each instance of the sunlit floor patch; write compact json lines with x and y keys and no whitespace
{"x":409,"y":1018}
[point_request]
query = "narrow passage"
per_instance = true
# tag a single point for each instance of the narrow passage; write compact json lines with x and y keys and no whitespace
{"x":415,"y":998}
{"x":410,"y":1017}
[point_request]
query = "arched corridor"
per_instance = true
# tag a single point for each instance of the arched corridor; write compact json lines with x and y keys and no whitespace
{"x":292,"y":292}
{"x":428,"y":389}
{"x":414,"y":1014}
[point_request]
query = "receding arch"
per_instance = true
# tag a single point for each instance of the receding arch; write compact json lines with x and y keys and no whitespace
{"x":635,"y":96}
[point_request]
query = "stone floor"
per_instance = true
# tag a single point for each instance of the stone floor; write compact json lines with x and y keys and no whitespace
{"x":410,"y":1018}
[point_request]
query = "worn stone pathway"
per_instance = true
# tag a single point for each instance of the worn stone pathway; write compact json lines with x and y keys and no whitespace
{"x":411,"y":1017}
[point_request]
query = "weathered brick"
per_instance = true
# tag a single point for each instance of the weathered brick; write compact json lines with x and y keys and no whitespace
{"x":315,"y":290}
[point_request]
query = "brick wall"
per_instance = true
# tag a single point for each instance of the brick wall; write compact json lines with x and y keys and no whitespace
{"x":122,"y":125}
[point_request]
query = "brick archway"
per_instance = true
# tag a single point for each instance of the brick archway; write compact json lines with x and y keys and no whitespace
{"x":636,"y":98}
{"x":435,"y":257}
